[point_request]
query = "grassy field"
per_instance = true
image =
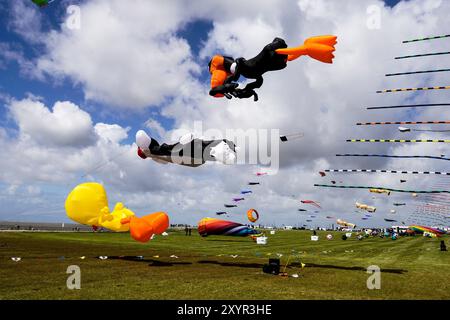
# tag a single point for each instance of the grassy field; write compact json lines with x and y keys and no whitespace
{"x":208,"y":268}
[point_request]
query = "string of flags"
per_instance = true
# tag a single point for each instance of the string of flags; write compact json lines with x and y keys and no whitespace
{"x":399,"y":140}
{"x":388,"y":171}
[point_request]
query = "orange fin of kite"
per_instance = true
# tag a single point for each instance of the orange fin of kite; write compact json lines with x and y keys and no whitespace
{"x":320,"y":48}
{"x":158,"y":220}
{"x":327,"y":40}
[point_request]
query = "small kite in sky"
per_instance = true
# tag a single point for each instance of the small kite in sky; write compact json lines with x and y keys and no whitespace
{"x":311,"y":202}
{"x":291,"y":137}
{"x":42,"y":3}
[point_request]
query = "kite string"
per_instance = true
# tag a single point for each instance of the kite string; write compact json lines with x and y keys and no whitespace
{"x":104,"y":163}
{"x":423,"y":55}
{"x":427,"y":38}
{"x":410,"y":106}
{"x":415,"y":72}
{"x":388,"y":189}
{"x":414,"y":89}
{"x":392,"y":156}
{"x":399,"y":140}
{"x":402,"y":122}
{"x":387,"y":171}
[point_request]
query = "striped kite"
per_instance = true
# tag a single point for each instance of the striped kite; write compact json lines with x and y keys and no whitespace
{"x":211,"y":226}
{"x":422,"y":229}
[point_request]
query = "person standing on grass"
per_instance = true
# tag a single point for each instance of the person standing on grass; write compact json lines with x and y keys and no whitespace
{"x":186,"y":229}
{"x":190,"y":230}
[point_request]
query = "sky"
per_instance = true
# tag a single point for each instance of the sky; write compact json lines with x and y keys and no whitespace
{"x":75,"y":89}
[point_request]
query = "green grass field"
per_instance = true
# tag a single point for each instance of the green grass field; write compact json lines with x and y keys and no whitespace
{"x":412,"y":267}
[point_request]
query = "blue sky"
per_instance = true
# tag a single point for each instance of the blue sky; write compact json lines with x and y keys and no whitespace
{"x":202,"y":30}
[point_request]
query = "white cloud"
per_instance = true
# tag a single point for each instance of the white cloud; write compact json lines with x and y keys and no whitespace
{"x":124,"y":55}
{"x":155,"y":127}
{"x":26,"y":21}
{"x":65,"y":125}
{"x":111,"y":132}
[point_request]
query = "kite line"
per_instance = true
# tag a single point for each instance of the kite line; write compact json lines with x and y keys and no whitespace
{"x":391,"y":156}
{"x":401,"y":122}
{"x":410,"y":106}
{"x":420,"y":130}
{"x":422,"y":55}
{"x":389,"y":171}
{"x":395,"y":140}
{"x":290,"y":137}
{"x":415,"y":72}
{"x":427,"y":38}
{"x":388,"y":189}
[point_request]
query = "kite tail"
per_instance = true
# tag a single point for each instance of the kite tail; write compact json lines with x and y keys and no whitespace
{"x":320,"y":48}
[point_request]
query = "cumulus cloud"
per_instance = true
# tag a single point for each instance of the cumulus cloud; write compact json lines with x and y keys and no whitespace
{"x":111,"y":132}
{"x":155,"y":127}
{"x":124,"y":55}
{"x":65,"y":125}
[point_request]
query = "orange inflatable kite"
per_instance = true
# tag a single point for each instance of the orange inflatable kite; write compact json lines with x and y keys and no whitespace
{"x":87,"y":204}
{"x":250,"y":216}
